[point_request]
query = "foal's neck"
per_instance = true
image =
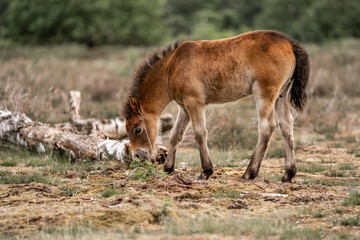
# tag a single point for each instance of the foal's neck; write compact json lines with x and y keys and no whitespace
{"x":154,"y":95}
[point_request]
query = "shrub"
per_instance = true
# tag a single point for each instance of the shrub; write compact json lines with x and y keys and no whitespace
{"x":98,"y":22}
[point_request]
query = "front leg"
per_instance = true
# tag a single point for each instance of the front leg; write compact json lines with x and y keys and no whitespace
{"x":197,"y":115}
{"x":176,"y":135}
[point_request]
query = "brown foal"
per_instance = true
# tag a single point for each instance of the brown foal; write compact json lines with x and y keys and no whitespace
{"x":266,"y":64}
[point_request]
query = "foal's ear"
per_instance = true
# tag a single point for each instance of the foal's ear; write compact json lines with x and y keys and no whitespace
{"x":135,"y":105}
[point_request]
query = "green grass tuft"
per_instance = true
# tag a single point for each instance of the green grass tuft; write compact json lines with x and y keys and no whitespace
{"x":319,"y":214}
{"x":68,"y":191}
{"x":315,"y":214}
{"x":27,"y":178}
{"x":50,"y":162}
{"x":9,"y":163}
{"x":109,"y":192}
{"x":347,"y":166}
{"x":39,"y":161}
{"x":336,"y":173}
{"x":352,"y":200}
{"x":351,"y":221}
{"x":144,"y":170}
{"x":350,"y":139}
{"x":355,"y":151}
{"x":4,"y":173}
{"x":311,"y":168}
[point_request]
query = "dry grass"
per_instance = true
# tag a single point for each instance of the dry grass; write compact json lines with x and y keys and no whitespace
{"x":334,"y":87}
{"x":37,"y":80}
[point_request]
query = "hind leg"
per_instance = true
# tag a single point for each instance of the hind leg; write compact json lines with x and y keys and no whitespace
{"x":286,"y":121}
{"x":176,"y":135}
{"x":266,"y":127}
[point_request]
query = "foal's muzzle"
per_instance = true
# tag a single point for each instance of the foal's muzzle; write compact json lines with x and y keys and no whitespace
{"x":141,"y":153}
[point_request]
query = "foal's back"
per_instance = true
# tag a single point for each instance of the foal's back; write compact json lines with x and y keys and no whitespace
{"x":225,"y":70}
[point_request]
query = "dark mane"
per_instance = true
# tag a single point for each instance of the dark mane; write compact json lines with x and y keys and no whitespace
{"x":143,"y":69}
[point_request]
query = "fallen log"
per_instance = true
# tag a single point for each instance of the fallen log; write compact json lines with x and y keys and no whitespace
{"x":17,"y":128}
{"x":80,"y":138}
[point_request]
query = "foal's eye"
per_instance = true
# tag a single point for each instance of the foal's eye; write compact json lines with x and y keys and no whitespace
{"x":138,"y":130}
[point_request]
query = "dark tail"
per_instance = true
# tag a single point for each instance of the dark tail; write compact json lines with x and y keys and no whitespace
{"x":300,"y":77}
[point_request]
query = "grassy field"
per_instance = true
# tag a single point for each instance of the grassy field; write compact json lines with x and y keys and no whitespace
{"x":47,"y":197}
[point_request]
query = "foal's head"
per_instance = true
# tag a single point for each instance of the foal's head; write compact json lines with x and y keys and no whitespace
{"x":140,"y":129}
{"x":144,"y":105}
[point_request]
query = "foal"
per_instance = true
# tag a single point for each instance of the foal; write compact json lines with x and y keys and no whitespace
{"x":266,"y":64}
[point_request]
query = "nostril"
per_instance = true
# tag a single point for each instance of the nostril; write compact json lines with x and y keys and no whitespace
{"x":137,"y":156}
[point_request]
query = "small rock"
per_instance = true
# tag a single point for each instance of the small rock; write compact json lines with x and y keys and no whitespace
{"x":183,"y":166}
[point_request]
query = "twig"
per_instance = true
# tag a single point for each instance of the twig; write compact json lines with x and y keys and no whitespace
{"x":39,"y":189}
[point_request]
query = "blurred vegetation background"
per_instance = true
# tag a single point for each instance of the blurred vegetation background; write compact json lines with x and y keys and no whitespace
{"x":49,"y":47}
{"x":153,"y":22}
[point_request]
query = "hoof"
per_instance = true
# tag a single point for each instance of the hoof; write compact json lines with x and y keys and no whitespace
{"x":289,"y":174}
{"x":249,"y":175}
{"x":169,"y":170}
{"x":201,"y":177}
{"x":286,"y":179}
{"x":206,"y":174}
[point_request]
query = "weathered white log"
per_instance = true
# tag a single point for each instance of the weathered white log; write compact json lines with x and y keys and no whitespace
{"x":10,"y":124}
{"x":109,"y":128}
{"x":119,"y":150}
{"x":17,"y":128}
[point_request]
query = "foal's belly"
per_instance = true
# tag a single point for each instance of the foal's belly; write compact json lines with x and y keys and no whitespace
{"x":228,"y":90}
{"x":226,"y":96}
